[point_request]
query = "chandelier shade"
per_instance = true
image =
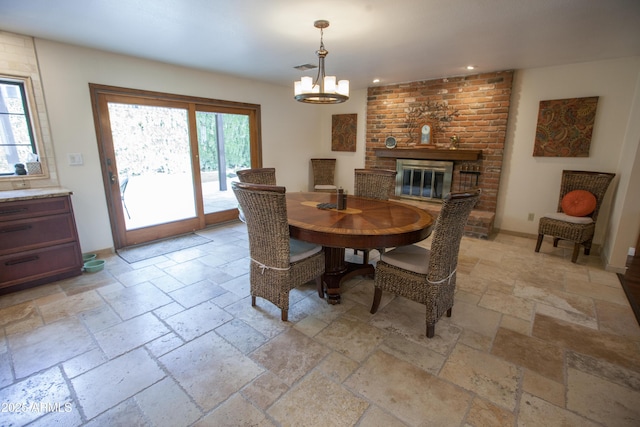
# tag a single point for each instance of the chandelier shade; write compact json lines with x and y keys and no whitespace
{"x":325,"y":89}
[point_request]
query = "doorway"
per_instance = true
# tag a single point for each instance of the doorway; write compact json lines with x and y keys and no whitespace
{"x":168,"y":160}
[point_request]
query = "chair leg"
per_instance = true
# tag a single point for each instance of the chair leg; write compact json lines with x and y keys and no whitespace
{"x":365,"y":257}
{"x":539,"y":242}
{"x":431,"y":331}
{"x":576,"y":251}
{"x":285,"y":315}
{"x":319,"y":286}
{"x":587,"y":247}
{"x":253,"y":301}
{"x":555,"y":242}
{"x":449,"y":312}
{"x":377,"y":295}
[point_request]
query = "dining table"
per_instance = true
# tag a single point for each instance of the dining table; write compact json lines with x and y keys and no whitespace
{"x":364,"y":223}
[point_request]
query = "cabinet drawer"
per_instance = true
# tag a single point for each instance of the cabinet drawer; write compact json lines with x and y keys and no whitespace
{"x":31,"y":208}
{"x":26,"y":234}
{"x":33,"y":265}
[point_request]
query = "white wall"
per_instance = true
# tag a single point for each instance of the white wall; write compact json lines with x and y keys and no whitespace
{"x":289,"y":131}
{"x":531,"y":184}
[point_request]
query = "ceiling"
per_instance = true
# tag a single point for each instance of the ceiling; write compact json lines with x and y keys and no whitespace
{"x":392,"y":40}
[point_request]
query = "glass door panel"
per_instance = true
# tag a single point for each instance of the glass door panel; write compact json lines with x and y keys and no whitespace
{"x":153,"y":157}
{"x":224,"y":146}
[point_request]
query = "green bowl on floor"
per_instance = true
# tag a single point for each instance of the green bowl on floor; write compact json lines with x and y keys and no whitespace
{"x":88,"y":257}
{"x":94,"y":265}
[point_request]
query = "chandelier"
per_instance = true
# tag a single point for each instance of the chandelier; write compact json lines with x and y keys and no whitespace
{"x":324,"y":90}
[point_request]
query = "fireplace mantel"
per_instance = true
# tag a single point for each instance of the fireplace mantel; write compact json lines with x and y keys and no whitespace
{"x":428,"y":153}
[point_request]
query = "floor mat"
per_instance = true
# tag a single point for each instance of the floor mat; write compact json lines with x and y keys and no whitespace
{"x":160,"y":247}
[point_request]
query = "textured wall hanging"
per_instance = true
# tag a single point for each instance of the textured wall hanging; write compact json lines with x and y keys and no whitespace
{"x":343,"y":132}
{"x":564,"y":127}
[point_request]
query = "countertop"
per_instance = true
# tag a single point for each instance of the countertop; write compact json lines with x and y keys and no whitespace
{"x":33,"y":193}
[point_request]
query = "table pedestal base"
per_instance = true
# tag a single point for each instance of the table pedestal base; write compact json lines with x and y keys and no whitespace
{"x":337,"y":270}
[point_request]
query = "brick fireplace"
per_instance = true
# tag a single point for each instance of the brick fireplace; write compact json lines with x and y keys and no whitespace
{"x":477,"y":110}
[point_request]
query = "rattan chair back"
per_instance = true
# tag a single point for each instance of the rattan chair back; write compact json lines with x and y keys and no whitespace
{"x":324,"y":171}
{"x":258,"y":176}
{"x":374,"y":183}
{"x":594,"y":182}
{"x":447,"y":235}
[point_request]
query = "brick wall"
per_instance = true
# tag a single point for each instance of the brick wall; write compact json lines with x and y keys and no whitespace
{"x":482,"y":104}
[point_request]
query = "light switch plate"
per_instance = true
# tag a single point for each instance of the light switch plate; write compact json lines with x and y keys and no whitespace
{"x":75,"y":159}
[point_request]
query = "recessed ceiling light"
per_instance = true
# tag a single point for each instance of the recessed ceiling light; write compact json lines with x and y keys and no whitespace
{"x":376,"y":80}
{"x":470,"y":67}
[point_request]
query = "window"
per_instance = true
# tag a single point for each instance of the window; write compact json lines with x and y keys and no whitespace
{"x":17,"y":136}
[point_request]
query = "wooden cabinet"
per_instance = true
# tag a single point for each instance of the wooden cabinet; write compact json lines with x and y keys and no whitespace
{"x":38,"y":242}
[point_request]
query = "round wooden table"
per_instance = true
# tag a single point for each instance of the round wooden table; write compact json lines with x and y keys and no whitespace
{"x":364,"y":224}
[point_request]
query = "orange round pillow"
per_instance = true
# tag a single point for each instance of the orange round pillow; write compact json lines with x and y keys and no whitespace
{"x":578,"y":203}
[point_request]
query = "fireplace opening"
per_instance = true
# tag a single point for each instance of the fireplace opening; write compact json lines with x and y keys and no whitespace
{"x":426,"y":180}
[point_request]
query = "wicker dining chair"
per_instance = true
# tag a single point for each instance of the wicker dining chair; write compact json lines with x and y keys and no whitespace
{"x":428,"y":276}
{"x":577,"y":229}
{"x":324,"y":171}
{"x":255,"y":176}
{"x":278,"y":262}
{"x":258,"y":176}
{"x":374,"y":184}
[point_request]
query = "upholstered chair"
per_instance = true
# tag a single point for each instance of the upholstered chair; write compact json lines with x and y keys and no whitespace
{"x":278,"y":262}
{"x":324,"y":171}
{"x":428,"y":276}
{"x":375,"y":184}
{"x":581,"y":195}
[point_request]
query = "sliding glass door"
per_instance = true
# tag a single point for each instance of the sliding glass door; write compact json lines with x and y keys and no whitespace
{"x":168,"y":161}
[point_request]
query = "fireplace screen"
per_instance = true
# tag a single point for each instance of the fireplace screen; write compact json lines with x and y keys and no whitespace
{"x":423,"y":179}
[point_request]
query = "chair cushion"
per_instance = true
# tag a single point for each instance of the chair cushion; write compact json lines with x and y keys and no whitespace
{"x":325,"y":187}
{"x":299,"y":250}
{"x":413,"y":258}
{"x":568,"y":218}
{"x":578,"y":203}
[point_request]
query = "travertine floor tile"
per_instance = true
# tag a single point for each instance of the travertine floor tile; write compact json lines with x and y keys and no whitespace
{"x":602,"y":401}
{"x":198,"y":320}
{"x":409,"y":393}
{"x":290,"y":355}
{"x":265,"y":390}
{"x":540,"y":356}
{"x":235,"y":412}
{"x":152,"y":403}
{"x":535,"y":411}
{"x":135,"y":300}
{"x":484,"y":413}
{"x":326,"y":403}
{"x":130,"y":334}
{"x":354,"y":339}
{"x":209,"y":369}
{"x":47,"y":387}
{"x":610,"y":347}
{"x":488,"y":376}
{"x":49,"y":345}
{"x":115,"y":381}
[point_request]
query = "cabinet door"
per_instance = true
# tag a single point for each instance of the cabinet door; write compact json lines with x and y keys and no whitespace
{"x":46,"y":263}
{"x":31,"y":208}
{"x":27,"y":234}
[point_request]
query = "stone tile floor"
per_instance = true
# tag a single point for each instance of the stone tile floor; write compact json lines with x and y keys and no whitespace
{"x":173,"y":341}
